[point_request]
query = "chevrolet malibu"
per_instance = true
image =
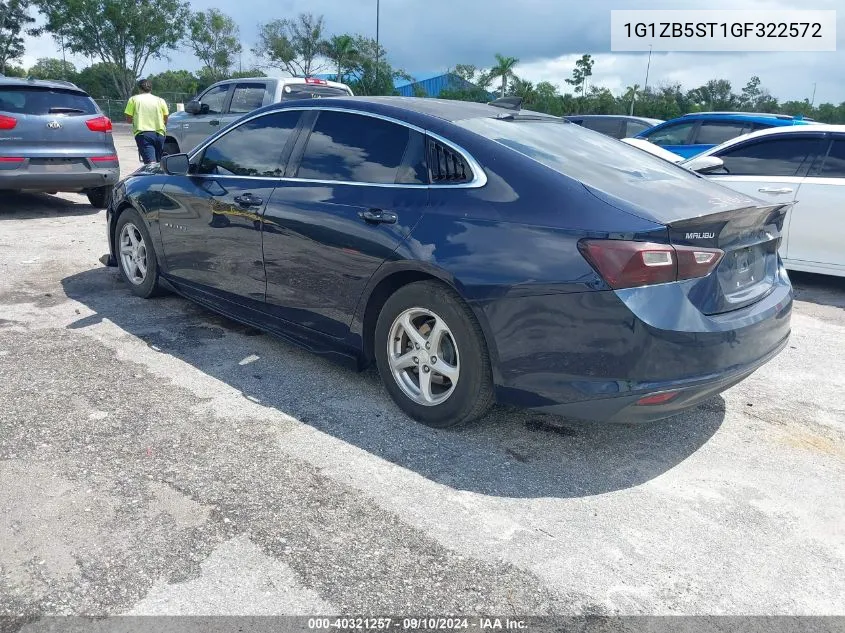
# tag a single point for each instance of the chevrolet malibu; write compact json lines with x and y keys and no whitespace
{"x":474,"y":253}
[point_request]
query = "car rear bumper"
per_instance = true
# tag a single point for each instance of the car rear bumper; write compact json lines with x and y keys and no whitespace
{"x":24,"y":180}
{"x":595,"y":355}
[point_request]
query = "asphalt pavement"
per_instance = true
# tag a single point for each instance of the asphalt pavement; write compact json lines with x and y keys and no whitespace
{"x":156,"y":458}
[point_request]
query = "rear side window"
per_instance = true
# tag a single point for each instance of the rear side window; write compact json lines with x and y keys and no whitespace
{"x":717,"y":132}
{"x":350,"y":147}
{"x":834,"y":164}
{"x":609,"y":126}
{"x":38,"y":100}
{"x":776,"y":157}
{"x":247,"y":97}
{"x":311,"y":91}
{"x":673,"y":134}
{"x":447,"y":166}
{"x":251,"y":149}
{"x":635,"y":127}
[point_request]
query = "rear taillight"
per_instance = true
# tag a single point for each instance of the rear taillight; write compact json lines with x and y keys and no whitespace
{"x":313,"y":80}
{"x":7,"y":122}
{"x":625,"y":264}
{"x":100,"y":124}
{"x":658,"y":398}
{"x":104,"y":159}
{"x":11,"y":159}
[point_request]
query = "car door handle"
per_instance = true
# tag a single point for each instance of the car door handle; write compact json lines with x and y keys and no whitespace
{"x":781,"y":191}
{"x":214,"y":122}
{"x":248,"y":200}
{"x":377,"y":216}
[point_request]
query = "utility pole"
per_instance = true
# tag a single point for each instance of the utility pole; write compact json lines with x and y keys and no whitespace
{"x":648,"y":66}
{"x":64,"y":61}
{"x":813,"y":100}
{"x":378,"y":11}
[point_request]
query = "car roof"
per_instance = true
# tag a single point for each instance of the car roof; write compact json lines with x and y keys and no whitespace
{"x":627,"y":117}
{"x":41,"y":83}
{"x":762,"y":117}
{"x":445,"y":109}
{"x":282,"y":80}
{"x":819,"y":128}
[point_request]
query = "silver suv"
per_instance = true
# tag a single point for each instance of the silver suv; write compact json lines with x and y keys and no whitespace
{"x":54,"y":137}
{"x":229,"y":100}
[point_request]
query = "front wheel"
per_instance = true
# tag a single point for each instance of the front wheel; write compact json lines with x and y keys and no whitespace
{"x":136,"y":257}
{"x":432,"y":357}
{"x":100,"y":197}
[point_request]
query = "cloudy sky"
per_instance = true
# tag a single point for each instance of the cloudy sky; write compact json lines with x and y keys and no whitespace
{"x":425,"y":37}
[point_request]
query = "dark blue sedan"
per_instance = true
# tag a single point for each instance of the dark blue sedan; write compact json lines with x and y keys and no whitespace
{"x":473,"y":253}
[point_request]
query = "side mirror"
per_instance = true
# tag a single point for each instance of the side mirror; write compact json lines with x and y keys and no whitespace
{"x":705,"y":164}
{"x":176,"y":164}
{"x":193,"y":107}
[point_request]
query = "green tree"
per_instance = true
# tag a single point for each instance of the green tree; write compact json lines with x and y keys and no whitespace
{"x":341,"y":51}
{"x":581,"y":73}
{"x":525,"y":90}
{"x":14,"y":23}
{"x":548,"y":100}
{"x":124,"y":36}
{"x":503,"y":70}
{"x":292,"y":45}
{"x":215,"y":39}
{"x":52,"y":68}
{"x":630,"y":97}
{"x":419,"y":91}
{"x":174,"y":85}
{"x":750,"y":94}
{"x":371,"y":73}
{"x":98,"y":81}
{"x":715,"y":95}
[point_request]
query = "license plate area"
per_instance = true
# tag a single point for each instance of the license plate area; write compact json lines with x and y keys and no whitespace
{"x":57,"y":165}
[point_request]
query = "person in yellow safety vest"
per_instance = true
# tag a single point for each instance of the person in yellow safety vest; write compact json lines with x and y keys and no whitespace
{"x":148,"y":115}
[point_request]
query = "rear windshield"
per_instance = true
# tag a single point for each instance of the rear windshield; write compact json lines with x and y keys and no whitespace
{"x":311,"y":91}
{"x":37,"y":100}
{"x":606,"y":165}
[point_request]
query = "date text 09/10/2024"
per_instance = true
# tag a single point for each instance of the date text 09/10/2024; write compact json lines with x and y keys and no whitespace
{"x":412,"y":624}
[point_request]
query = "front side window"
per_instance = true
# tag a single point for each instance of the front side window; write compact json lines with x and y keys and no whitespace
{"x":776,"y":157}
{"x":834,"y":164}
{"x":672,"y":134}
{"x":251,"y":149}
{"x":214,"y":99}
{"x":717,"y":132}
{"x":349,"y":147}
{"x":247,"y":97}
{"x":635,"y":127}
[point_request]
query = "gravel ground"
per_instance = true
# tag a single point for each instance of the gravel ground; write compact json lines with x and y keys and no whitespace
{"x":158,"y":459}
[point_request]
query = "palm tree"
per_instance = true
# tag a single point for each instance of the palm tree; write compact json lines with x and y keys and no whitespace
{"x":523,"y":88}
{"x":340,"y":49}
{"x":504,"y":69}
{"x":631,"y":94}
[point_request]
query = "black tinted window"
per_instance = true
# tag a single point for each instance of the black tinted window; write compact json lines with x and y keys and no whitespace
{"x":834,"y":164}
{"x":717,"y":132}
{"x":635,"y":127}
{"x":776,"y":157}
{"x":251,"y":149}
{"x":215,"y":99}
{"x":35,"y":100}
{"x":673,"y":134}
{"x":354,"y":148}
{"x":610,"y":126}
{"x":247,"y":97}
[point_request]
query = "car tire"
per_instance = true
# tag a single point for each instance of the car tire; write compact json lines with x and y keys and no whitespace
{"x":137,"y":264}
{"x":100,"y":197}
{"x":444,"y":385}
{"x":170,"y":148}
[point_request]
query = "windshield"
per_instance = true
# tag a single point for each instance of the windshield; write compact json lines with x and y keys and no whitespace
{"x":311,"y":91}
{"x":606,"y":165}
{"x":38,"y":100}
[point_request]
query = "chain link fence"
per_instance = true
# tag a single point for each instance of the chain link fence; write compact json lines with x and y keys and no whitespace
{"x":113,"y":108}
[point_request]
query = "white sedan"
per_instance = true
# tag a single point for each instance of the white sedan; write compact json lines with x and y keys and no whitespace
{"x":801,"y":164}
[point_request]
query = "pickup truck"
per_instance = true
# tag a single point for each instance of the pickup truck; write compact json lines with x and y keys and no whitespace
{"x":229,"y":100}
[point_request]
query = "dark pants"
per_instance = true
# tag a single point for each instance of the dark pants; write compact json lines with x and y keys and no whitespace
{"x":150,"y":146}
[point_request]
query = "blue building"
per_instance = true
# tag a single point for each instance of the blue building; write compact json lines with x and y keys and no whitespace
{"x":433,"y":86}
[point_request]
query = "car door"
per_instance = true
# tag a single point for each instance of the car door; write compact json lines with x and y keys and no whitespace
{"x":211,"y":230}
{"x":358,"y":186}
{"x":674,"y":137}
{"x":817,"y":223}
{"x":770,"y":168}
{"x":197,"y":127}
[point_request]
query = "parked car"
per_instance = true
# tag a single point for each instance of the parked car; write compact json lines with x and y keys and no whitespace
{"x":473,"y":253}
{"x":617,"y":126}
{"x":654,"y":150}
{"x":229,"y":100}
{"x":804,"y":166}
{"x":694,"y":133}
{"x":53,"y":137}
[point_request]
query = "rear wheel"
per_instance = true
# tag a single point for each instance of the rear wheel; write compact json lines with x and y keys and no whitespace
{"x":432,"y":357}
{"x":136,"y":256}
{"x":100,"y":197}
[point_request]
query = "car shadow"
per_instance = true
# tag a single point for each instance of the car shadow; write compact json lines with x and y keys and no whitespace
{"x":820,"y":289}
{"x":510,"y":453}
{"x":31,"y":206}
